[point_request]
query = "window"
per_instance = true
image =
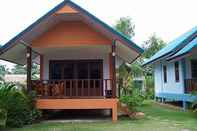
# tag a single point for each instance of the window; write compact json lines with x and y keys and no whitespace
{"x":165,"y":73}
{"x":76,"y":69}
{"x":176,"y":69}
{"x":194,"y":68}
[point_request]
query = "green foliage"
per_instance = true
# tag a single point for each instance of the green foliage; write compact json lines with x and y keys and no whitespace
{"x":18,"y":105}
{"x":3,"y":71}
{"x":157,"y":118}
{"x":194,"y":103}
{"x":133,"y":100}
{"x":18,"y":69}
{"x":149,"y":80}
{"x":125,"y":26}
{"x":136,"y":69}
{"x":125,"y":79}
{"x":152,"y":46}
{"x":128,"y":72}
{"x":3,"y":118}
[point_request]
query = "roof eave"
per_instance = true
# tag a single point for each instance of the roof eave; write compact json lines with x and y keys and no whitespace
{"x":157,"y":59}
{"x":130,"y":43}
{"x":112,"y":30}
{"x":6,"y":46}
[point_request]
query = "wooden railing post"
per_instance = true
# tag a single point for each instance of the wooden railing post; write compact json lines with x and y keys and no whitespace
{"x":29,"y":66}
{"x":114,"y":69}
{"x":100,"y":87}
{"x":71,"y":88}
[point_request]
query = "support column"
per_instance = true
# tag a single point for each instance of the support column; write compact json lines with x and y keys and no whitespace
{"x":114,"y":69}
{"x":114,"y":113}
{"x":29,"y":66}
{"x":41,"y":67}
{"x":184,"y":105}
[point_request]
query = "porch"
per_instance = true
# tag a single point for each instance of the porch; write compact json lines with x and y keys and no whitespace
{"x":190,"y":86}
{"x":190,"y":74}
{"x":85,"y":82}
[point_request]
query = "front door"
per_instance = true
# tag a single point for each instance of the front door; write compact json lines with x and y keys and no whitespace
{"x":81,"y":77}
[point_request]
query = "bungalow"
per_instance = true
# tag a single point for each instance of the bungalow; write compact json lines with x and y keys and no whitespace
{"x":78,"y":56}
{"x":175,"y":69}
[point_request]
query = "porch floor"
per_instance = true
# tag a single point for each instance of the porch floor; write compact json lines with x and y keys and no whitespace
{"x":57,"y":104}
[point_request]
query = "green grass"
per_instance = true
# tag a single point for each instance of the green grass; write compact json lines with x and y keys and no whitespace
{"x":157,"y":119}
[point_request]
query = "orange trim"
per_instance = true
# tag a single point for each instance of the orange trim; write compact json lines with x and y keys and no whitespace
{"x":79,"y":104}
{"x":41,"y":67}
{"x":70,"y":33}
{"x":66,"y":9}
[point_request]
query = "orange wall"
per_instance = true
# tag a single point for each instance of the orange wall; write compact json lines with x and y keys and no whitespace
{"x":70,"y":33}
{"x":66,"y":9}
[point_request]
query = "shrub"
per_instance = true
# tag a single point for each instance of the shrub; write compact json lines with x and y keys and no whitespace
{"x":3,"y":117}
{"x":18,"y":104}
{"x":133,"y":100}
{"x":194,"y":103}
{"x":149,"y":80}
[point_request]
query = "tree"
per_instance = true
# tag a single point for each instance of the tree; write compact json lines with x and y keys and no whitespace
{"x":3,"y":71}
{"x":125,"y":26}
{"x":152,"y":45}
{"x":18,"y":69}
{"x":127,"y":71}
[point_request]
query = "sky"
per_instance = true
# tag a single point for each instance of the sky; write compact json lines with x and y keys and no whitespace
{"x":166,"y":18}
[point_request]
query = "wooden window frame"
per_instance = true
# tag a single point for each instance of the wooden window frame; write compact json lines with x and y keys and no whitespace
{"x":165,"y":78}
{"x":76,"y":61}
{"x":192,"y":68}
{"x":176,"y":71}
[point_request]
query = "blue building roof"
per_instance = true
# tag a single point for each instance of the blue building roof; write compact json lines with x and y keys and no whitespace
{"x":186,"y":49}
{"x":174,"y":46}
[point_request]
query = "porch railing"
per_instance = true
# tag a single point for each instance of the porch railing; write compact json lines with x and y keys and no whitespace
{"x":73,"y":88}
{"x":190,"y":85}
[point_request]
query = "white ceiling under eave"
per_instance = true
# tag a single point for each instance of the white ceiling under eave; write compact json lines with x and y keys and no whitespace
{"x":17,"y":54}
{"x":126,"y":53}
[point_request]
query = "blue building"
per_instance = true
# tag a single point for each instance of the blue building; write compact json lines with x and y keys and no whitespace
{"x":175,"y":69}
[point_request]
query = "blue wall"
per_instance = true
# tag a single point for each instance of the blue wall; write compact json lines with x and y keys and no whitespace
{"x":171,"y":86}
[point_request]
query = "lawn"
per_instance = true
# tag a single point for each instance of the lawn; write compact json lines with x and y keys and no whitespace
{"x":158,"y":118}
